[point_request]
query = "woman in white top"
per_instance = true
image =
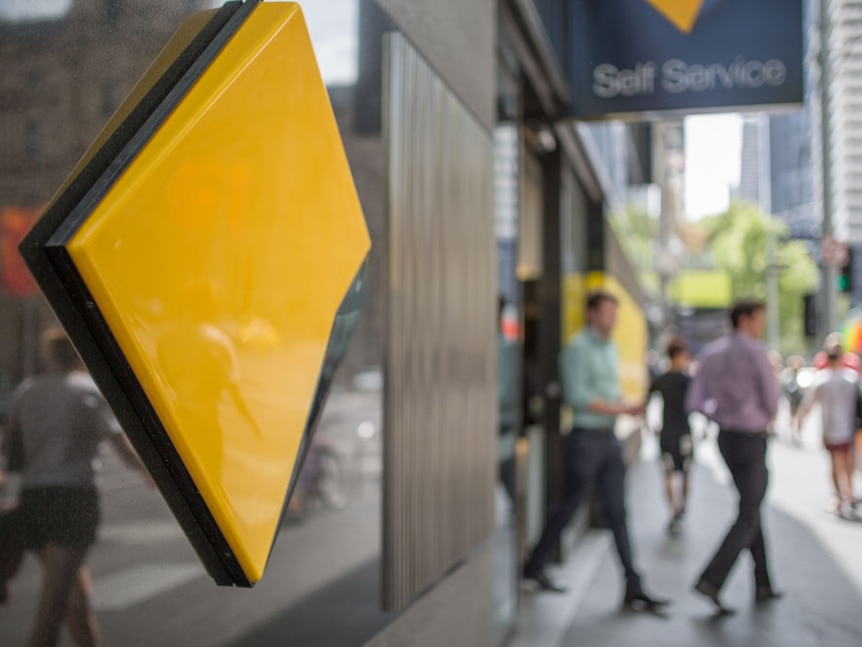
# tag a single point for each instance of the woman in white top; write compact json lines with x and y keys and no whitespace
{"x":835,"y":388}
{"x":56,"y":423}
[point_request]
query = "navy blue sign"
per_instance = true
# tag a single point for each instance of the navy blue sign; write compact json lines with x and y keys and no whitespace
{"x":636,"y":56}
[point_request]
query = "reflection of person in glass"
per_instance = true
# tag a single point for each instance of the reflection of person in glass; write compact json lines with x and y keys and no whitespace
{"x":58,"y":421}
{"x":506,"y":400}
{"x":199,"y":364}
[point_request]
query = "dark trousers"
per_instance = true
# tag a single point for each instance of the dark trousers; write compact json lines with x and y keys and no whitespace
{"x":745,"y":455}
{"x":592,"y":458}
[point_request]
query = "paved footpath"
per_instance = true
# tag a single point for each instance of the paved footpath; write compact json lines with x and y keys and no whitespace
{"x":816,"y":558}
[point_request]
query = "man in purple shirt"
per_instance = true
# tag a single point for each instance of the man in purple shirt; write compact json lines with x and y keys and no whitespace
{"x":736,"y":387}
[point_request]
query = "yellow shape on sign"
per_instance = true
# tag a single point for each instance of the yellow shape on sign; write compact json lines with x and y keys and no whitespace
{"x":682,"y":13}
{"x":219,"y":259}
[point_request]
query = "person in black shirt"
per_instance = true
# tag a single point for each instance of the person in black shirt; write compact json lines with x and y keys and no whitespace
{"x":675,"y":437}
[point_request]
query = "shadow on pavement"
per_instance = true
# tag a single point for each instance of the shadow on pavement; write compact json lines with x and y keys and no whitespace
{"x":310,"y":622}
{"x":822,"y":606}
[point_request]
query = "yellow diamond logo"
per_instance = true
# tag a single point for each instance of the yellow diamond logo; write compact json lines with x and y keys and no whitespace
{"x":202,"y":258}
{"x":682,"y":13}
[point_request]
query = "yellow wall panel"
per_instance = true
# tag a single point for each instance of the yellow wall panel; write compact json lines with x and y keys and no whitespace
{"x":630,"y":335}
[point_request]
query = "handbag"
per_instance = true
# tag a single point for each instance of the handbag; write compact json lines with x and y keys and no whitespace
{"x":11,"y":549}
{"x":11,"y":526}
{"x":12,"y":447}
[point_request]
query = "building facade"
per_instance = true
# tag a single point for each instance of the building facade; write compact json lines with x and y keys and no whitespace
{"x":840,"y":35}
{"x":471,"y":187}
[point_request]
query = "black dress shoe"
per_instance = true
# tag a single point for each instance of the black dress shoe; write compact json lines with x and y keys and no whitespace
{"x":545,"y":581}
{"x":766,"y":594}
{"x":643,"y":602}
{"x":709,"y":590}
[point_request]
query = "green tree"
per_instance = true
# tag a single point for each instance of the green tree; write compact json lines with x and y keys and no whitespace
{"x":738,"y":245}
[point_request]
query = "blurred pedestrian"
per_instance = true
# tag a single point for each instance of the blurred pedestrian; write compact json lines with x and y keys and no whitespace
{"x":835,"y":389}
{"x":848,"y":359}
{"x":777,"y":362}
{"x":58,"y":421}
{"x":593,"y":453}
{"x":653,"y":363}
{"x":735,"y":386}
{"x":675,"y":434}
{"x":794,"y":394}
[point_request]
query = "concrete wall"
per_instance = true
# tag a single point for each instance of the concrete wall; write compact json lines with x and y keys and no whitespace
{"x":458,"y":612}
{"x":458,"y":39}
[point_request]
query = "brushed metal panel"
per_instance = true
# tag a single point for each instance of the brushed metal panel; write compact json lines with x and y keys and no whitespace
{"x":440,"y":413}
{"x":457,"y":613}
{"x":449,"y":33}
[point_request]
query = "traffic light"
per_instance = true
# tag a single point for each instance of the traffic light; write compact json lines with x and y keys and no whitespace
{"x":810,"y":315}
{"x":845,"y":273}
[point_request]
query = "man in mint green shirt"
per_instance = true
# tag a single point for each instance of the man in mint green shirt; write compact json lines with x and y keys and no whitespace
{"x":592,"y":452}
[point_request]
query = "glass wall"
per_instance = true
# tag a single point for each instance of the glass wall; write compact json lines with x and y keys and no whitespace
{"x":68,"y":64}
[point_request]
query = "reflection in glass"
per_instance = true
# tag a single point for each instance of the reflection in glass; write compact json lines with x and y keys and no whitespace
{"x":54,"y":429}
{"x":28,"y":11}
{"x":508,"y":367}
{"x":66,"y":66}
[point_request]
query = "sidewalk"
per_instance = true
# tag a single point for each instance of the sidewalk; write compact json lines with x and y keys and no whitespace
{"x":815,"y":558}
